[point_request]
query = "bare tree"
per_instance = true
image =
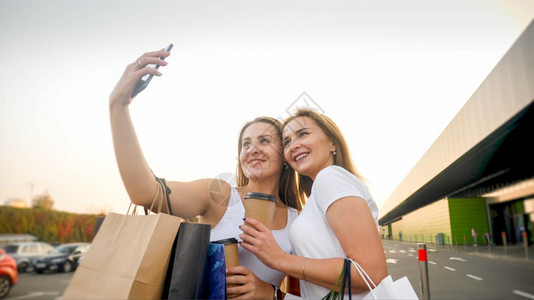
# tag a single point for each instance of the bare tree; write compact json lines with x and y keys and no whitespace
{"x":43,"y":201}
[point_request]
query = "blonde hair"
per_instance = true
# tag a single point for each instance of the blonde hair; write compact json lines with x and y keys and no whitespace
{"x":287,"y":188}
{"x":342,"y":157}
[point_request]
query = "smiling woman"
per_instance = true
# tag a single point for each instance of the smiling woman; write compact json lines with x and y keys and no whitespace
{"x":236,"y":58}
{"x":213,"y":201}
{"x":340,"y":213}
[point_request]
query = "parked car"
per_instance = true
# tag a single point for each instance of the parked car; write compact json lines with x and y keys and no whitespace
{"x":8,"y":273}
{"x":64,"y":258}
{"x":26,"y":252}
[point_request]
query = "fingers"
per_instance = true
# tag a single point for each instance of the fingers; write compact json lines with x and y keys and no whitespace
{"x":154,"y":58}
{"x":249,"y":230}
{"x":234,"y":286}
{"x":256,"y":224}
{"x":237,"y":270}
{"x":238,"y":280}
{"x":121,"y":94}
{"x":144,"y":61}
{"x":248,"y":237}
{"x":252,"y":229}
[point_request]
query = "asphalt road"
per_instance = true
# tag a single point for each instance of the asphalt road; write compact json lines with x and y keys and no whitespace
{"x":45,"y":286}
{"x":452,"y":275}
{"x":460,"y":275}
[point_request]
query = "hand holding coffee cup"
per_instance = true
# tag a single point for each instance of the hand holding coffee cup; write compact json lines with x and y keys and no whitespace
{"x":260,"y":206}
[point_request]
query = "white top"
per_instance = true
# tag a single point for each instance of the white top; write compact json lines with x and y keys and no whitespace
{"x":228,"y":227}
{"x":310,"y":234}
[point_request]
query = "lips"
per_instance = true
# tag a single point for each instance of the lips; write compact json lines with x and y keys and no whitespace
{"x":300,"y":156}
{"x":255,"y":161}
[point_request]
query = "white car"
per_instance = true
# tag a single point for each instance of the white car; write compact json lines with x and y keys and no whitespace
{"x":25,"y":253}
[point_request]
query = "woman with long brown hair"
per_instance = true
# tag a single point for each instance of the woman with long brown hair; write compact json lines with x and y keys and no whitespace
{"x":213,"y":201}
{"x":339,"y":220}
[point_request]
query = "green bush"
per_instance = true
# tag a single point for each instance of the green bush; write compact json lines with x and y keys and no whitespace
{"x":48,"y":225}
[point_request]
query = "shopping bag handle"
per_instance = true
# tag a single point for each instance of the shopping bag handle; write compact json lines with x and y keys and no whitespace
{"x":367,"y":279}
{"x":157,"y":201}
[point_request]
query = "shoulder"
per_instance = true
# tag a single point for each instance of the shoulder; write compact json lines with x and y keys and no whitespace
{"x":333,"y":170}
{"x":335,"y":182}
{"x":332,"y":174}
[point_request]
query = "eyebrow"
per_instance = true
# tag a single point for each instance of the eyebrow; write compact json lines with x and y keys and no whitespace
{"x":259,"y":137}
{"x":298,"y":131}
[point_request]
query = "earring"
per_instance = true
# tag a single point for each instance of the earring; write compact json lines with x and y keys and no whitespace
{"x":285,"y":166}
{"x":334,"y":153}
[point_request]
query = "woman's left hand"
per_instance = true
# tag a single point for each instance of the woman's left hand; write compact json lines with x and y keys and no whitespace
{"x":259,"y":240}
{"x":244,"y":283}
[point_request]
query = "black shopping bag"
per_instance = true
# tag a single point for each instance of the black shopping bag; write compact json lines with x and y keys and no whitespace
{"x":187,"y":266}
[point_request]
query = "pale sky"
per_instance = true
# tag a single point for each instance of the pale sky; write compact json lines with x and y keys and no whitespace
{"x":392,"y":74}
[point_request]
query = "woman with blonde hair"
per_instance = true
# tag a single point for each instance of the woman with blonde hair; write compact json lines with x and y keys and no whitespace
{"x":339,"y":220}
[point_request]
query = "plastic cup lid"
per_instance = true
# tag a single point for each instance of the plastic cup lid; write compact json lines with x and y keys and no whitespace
{"x":261,"y":196}
{"x":226,"y":241}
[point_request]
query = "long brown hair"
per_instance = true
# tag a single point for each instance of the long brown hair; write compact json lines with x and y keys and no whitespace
{"x":287,"y":188}
{"x":332,"y":131}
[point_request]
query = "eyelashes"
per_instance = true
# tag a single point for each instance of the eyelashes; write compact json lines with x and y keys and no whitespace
{"x":300,"y":134}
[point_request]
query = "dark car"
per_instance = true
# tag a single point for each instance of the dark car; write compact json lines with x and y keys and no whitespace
{"x":64,"y":258}
{"x":8,"y":273}
{"x":25,"y":253}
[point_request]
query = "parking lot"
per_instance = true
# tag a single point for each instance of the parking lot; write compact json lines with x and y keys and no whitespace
{"x":40,"y":286}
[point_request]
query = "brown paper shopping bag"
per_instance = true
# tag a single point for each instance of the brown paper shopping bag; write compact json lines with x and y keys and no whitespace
{"x":128,"y":258}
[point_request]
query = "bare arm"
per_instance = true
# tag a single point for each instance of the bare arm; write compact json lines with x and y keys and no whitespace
{"x":259,"y":240}
{"x":188,"y":199}
{"x":354,"y":227}
{"x":352,"y":222}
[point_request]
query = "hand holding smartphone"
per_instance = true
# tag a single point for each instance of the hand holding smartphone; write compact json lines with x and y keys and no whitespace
{"x":145,"y":80}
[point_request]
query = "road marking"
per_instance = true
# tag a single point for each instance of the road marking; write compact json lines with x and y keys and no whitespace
{"x":410,"y":254}
{"x":450,"y":269}
{"x":392,"y":251}
{"x":474,"y":277}
{"x":402,"y":251}
{"x":35,"y":295}
{"x":457,"y":258}
{"x":526,"y":295}
{"x":391,"y":261}
{"x":431,"y":262}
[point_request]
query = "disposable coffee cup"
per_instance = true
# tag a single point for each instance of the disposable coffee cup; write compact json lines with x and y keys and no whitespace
{"x":231,"y":254}
{"x":261,"y":207}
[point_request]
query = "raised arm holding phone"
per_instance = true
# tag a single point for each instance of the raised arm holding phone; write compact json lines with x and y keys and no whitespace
{"x":259,"y":169}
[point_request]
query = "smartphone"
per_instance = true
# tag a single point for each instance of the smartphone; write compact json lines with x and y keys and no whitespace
{"x":145,"y":80}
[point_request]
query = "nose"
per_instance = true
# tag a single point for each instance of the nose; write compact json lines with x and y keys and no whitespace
{"x":292,"y":147}
{"x":253,"y":149}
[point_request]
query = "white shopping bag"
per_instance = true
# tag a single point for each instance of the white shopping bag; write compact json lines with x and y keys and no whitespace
{"x":387,"y":289}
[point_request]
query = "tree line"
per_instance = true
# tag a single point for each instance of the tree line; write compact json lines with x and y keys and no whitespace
{"x":48,"y":225}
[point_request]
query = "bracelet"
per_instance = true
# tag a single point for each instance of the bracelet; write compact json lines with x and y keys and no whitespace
{"x":277,"y":293}
{"x":303,"y":268}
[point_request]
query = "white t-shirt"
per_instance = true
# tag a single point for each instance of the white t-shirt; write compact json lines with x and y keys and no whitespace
{"x":228,"y":227}
{"x":310,"y":234}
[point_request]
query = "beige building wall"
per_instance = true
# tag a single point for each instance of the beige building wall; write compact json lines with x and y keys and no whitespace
{"x":507,"y":90}
{"x":424,"y":224}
